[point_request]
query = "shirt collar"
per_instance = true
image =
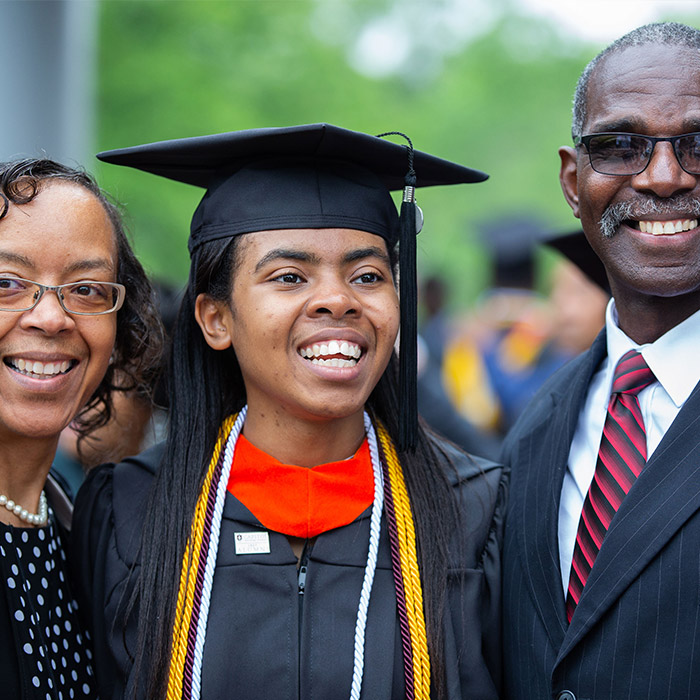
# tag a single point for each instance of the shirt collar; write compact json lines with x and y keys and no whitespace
{"x":673,"y":358}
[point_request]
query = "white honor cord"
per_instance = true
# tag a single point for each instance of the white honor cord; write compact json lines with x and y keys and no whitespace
{"x":212,"y":554}
{"x":371,"y":565}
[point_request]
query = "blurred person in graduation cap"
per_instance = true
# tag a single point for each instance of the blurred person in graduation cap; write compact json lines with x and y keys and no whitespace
{"x":579,"y":294}
{"x":299,"y":534}
{"x":434,"y":404}
{"x":495,"y":366}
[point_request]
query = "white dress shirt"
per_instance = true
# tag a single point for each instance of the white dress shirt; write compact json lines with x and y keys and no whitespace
{"x":675,"y":361}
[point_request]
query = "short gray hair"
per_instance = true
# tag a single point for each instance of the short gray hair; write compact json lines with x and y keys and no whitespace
{"x":664,"y":33}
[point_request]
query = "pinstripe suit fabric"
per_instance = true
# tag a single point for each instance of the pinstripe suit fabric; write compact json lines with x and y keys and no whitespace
{"x":636,"y":631}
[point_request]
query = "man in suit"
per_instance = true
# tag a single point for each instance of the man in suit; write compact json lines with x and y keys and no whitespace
{"x":602,"y":550}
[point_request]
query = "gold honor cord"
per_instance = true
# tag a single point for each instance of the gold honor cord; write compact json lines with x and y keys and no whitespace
{"x":188,"y":574}
{"x":413,"y":589}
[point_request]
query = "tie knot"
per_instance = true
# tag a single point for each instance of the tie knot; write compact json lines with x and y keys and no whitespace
{"x":632,"y":374}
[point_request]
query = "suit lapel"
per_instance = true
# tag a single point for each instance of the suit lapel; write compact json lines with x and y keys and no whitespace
{"x":664,"y":496}
{"x":543,"y":456}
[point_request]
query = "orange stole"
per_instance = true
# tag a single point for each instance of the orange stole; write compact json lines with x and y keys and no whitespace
{"x":301,"y":501}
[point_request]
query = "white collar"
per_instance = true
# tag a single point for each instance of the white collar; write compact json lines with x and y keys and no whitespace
{"x":673,"y":358}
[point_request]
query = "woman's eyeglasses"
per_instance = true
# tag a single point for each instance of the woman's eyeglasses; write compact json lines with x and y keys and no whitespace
{"x":629,"y":154}
{"x":84,"y":298}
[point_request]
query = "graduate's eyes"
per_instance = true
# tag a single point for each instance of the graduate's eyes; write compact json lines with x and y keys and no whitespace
{"x":368,"y":278}
{"x":288,"y":278}
{"x":293,"y":278}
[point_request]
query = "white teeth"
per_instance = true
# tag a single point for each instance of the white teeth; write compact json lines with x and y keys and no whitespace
{"x":319,"y":353}
{"x":666,"y":228}
{"x":39,"y":368}
{"x":333,"y":362}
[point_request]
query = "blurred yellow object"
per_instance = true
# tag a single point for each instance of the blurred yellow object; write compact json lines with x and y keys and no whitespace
{"x":467,"y":384}
{"x":521,"y":346}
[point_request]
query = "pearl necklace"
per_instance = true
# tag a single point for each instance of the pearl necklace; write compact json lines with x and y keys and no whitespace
{"x":40,"y":518}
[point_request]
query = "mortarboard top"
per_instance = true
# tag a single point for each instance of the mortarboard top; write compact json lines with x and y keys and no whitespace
{"x":511,"y":241}
{"x":513,"y":238}
{"x":310,"y":176}
{"x":194,"y":160}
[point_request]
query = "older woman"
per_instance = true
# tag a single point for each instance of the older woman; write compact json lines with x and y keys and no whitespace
{"x":302,"y":537}
{"x":75,"y":309}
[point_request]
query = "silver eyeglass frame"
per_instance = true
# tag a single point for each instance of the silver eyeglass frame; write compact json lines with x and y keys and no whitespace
{"x":43,"y":288}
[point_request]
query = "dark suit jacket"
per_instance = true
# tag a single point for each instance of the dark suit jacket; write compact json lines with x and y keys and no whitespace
{"x":636,"y":631}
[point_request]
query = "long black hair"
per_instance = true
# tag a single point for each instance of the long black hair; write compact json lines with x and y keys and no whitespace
{"x":206,"y":385}
{"x":136,"y":358}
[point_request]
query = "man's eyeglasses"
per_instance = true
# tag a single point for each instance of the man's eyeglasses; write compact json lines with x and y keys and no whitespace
{"x":84,"y":298}
{"x":629,"y":154}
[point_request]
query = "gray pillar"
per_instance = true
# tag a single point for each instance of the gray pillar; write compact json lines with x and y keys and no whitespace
{"x":48,"y":69}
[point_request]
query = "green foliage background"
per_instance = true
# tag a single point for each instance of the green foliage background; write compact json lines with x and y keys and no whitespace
{"x":498,"y":101}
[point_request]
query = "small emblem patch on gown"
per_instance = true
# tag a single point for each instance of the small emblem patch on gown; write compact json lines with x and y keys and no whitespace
{"x":252,"y":542}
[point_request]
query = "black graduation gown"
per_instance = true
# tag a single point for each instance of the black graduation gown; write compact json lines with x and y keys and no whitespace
{"x":265,"y":639}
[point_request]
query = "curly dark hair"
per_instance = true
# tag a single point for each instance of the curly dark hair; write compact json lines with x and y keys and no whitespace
{"x":137,"y":351}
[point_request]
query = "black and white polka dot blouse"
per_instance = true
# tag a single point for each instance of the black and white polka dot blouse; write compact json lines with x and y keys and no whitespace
{"x":38,"y":619}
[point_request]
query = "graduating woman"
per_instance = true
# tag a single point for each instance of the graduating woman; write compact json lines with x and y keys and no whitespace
{"x":298,"y":535}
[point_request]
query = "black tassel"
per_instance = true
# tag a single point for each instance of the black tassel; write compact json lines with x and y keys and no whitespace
{"x":408,"y":348}
{"x":408,"y":288}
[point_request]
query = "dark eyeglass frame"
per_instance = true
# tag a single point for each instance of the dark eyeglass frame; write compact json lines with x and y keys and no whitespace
{"x":649,"y":140}
{"x":43,"y":288}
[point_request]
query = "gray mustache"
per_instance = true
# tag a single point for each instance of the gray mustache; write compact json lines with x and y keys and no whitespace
{"x":680,"y":206}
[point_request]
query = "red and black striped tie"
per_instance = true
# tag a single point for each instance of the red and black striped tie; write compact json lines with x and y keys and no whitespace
{"x":621,"y":458}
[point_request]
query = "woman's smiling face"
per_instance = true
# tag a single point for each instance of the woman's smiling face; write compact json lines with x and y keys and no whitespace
{"x":313,"y":317}
{"x":63,"y":235}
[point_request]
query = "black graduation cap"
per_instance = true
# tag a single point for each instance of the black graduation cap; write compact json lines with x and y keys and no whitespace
{"x":310,"y":176}
{"x":576,"y":248}
{"x":511,"y":241}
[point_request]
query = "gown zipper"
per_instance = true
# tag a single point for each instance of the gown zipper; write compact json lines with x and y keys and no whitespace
{"x":301,"y":590}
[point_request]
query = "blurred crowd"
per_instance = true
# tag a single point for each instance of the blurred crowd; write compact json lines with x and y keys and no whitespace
{"x":480,"y":368}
